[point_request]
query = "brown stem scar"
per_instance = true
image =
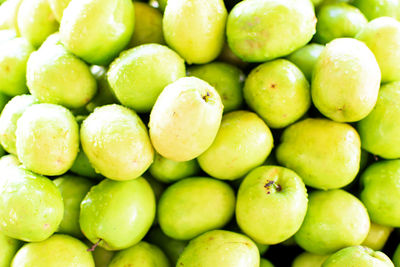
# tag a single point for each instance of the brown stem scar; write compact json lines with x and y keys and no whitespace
{"x":94,"y":246}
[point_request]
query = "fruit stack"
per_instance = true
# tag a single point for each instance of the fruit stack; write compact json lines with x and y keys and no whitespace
{"x":199,"y":133}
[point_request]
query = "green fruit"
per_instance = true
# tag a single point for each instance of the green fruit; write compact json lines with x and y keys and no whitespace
{"x":8,"y":248}
{"x":243,"y":142}
{"x":117,"y":215}
{"x":278,"y":92}
{"x":142,"y":254}
{"x":3,"y":101}
{"x":271,"y":204}
{"x":58,"y":6}
{"x":102,"y":257}
{"x":73,"y":189}
{"x":262,"y":30}
{"x":36,"y":21}
{"x":168,"y":171}
{"x":108,"y":26}
{"x":58,"y":250}
{"x":8,"y":120}
{"x":338,"y":20}
{"x":346,"y":80}
{"x":162,"y":4}
{"x":14,"y":55}
{"x":226,"y":79}
{"x":139,"y":75}
{"x":47,"y":139}
{"x":380,"y":192}
{"x":207,"y":250}
{"x":73,"y":89}
{"x":307,"y":259}
{"x":194,"y":206}
{"x":116,"y":143}
{"x":358,"y":256}
{"x":83,"y":167}
{"x":396,"y":257}
{"x":324,"y":153}
{"x":378,"y":8}
{"x":306,"y":57}
{"x":6,"y":35}
{"x":185,"y":119}
{"x":148,"y":25}
{"x":8,"y":15}
{"x":195,"y":29}
{"x":335,"y":219}
{"x":377,"y":236}
{"x":265,"y":263}
{"x":382,"y":36}
{"x":229,"y":57}
{"x":31,"y":207}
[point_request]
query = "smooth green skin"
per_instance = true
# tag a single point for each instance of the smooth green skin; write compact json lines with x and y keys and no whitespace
{"x":306,"y":57}
{"x":271,"y":204}
{"x":380,"y":192}
{"x":118,"y":214}
{"x":382,"y":36}
{"x":326,"y":154}
{"x":194,"y":206}
{"x":396,"y":257}
{"x":97,"y":45}
{"x":259,"y":31}
{"x":8,"y":15}
{"x":346,"y":80}
{"x":8,"y":248}
{"x":57,"y":7}
{"x":142,"y":254}
{"x":116,"y":143}
{"x":277,"y":91}
{"x":83,"y":167}
{"x":229,"y":57}
{"x":148,"y":25}
{"x":377,"y":236}
{"x":73,"y":189}
{"x":265,"y":263}
{"x":31,"y":207}
{"x":243,"y":142}
{"x":74,"y":89}
{"x":47,"y":139}
{"x":206,"y":250}
{"x":158,"y":188}
{"x":168,"y":171}
{"x":185,"y":119}
{"x":36,"y":21}
{"x":3,"y":101}
{"x":14,"y":55}
{"x":138,"y":75}
{"x":379,"y":131}
{"x":226,"y":79}
{"x":172,"y":247}
{"x":58,"y":250}
{"x":8,"y":120}
{"x":195,"y":29}
{"x":102,"y":257}
{"x":335,"y":219}
{"x":307,"y":259}
{"x":6,"y":35}
{"x":358,"y":256}
{"x":378,"y":8}
{"x":338,"y":20}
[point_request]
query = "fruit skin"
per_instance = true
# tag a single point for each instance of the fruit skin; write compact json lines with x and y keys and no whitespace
{"x":116,"y":143}
{"x":34,"y":202}
{"x":243,"y":142}
{"x":97,"y":45}
{"x":73,"y":189}
{"x":271,"y":204}
{"x":194,"y":206}
{"x":226,"y":79}
{"x":265,"y":263}
{"x":377,"y":236}
{"x":8,"y":120}
{"x":47,"y":139}
{"x":255,"y":28}
{"x":58,"y":7}
{"x":380,"y":190}
{"x":140,"y":74}
{"x":142,"y":254}
{"x":346,"y":80}
{"x":83,"y":167}
{"x":278,"y":92}
{"x":14,"y":55}
{"x":117,"y":214}
{"x":326,"y":154}
{"x":335,"y":219}
{"x":206,"y":250}
{"x":7,"y":34}
{"x":378,"y":8}
{"x":307,"y":259}
{"x":102,"y":257}
{"x":396,"y":257}
{"x":8,"y":248}
{"x":358,"y":256}
{"x":9,"y":15}
{"x":195,"y":29}
{"x":306,"y":57}
{"x":185,"y":119}
{"x":382,"y":36}
{"x":58,"y":250}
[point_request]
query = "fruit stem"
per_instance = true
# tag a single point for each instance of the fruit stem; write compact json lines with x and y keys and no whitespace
{"x":94,"y":245}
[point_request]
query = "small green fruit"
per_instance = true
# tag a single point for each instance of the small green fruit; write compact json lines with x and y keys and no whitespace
{"x":377,"y":236}
{"x":265,"y":263}
{"x":58,"y":6}
{"x":378,"y":8}
{"x":306,"y":57}
{"x":307,"y":259}
{"x":102,"y":257}
{"x":8,"y":248}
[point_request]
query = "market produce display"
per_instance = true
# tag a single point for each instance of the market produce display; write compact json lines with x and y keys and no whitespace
{"x":199,"y":133}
